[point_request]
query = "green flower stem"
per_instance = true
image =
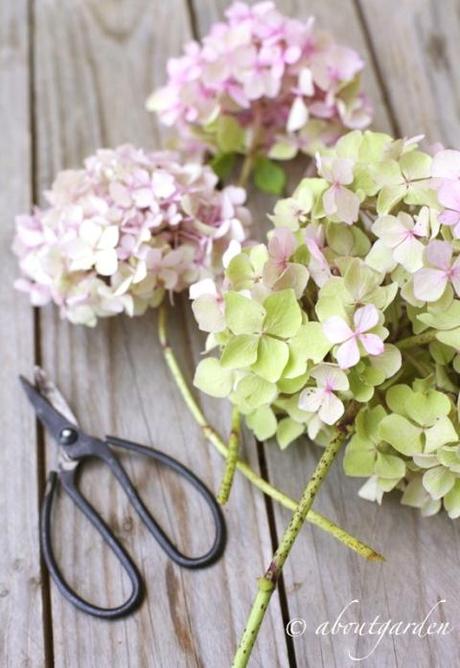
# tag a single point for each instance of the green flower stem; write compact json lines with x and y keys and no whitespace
{"x":232,"y":458}
{"x":213,"y":437}
{"x":267,"y":583}
{"x":246,"y":169}
{"x":417,"y":340}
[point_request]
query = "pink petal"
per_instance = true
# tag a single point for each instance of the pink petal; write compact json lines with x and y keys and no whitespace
{"x":372,"y":343}
{"x":429,"y":284}
{"x":365,"y":318}
{"x":337,"y":330}
{"x":449,"y":195}
{"x":446,"y":164}
{"x":348,"y":354}
{"x":439,"y":254}
{"x":282,"y":244}
{"x":449,"y":217}
{"x":310,"y":399}
{"x":347,"y":205}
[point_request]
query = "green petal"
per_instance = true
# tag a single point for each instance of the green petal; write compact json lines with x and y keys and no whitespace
{"x":211,"y":378}
{"x":254,"y":391}
{"x":243,"y":315}
{"x":438,"y":481}
{"x":288,"y":430}
{"x":359,"y":457}
{"x":284,"y":316}
{"x":239,"y":272}
{"x":415,"y":165}
{"x":401,"y":434}
{"x":291,"y":385}
{"x":272,"y":357}
{"x":450,"y":338}
{"x":240,"y":352}
{"x":452,"y":501}
{"x":397,"y":397}
{"x":441,"y":433}
{"x":310,"y":343}
{"x":388,"y":197}
{"x":389,"y":466}
{"x":262,"y":422}
{"x":427,"y":408}
{"x":368,"y":421}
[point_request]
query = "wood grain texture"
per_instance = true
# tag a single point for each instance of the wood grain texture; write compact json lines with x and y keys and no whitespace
{"x":21,"y":611}
{"x":416,"y":44}
{"x":90,"y":93}
{"x":320,"y":577}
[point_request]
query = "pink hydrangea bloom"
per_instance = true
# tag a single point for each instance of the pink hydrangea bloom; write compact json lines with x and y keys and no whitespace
{"x":280,"y":78}
{"x":430,"y":282}
{"x":124,"y":230}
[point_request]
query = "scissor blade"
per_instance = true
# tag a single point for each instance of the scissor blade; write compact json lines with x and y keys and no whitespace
{"x":49,"y":416}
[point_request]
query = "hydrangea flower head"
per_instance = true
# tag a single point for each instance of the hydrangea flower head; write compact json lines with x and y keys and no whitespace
{"x":361,"y":277}
{"x":263,"y":82}
{"x":118,"y":234}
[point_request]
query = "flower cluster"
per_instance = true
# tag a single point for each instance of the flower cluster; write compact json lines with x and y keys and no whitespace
{"x":120,"y":233}
{"x":353,"y":305}
{"x":262,"y":82}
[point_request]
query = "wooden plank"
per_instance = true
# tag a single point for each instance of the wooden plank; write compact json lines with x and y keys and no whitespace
{"x":90,"y":93}
{"x":22,"y":637}
{"x":416,"y":45}
{"x":321,"y":577}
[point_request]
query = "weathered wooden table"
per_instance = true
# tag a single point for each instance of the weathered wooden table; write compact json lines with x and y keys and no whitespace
{"x":74,"y":75}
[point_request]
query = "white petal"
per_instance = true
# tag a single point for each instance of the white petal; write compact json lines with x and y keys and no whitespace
{"x":298,"y":115}
{"x":311,"y":399}
{"x":106,"y":262}
{"x":336,"y":329}
{"x":331,"y":408}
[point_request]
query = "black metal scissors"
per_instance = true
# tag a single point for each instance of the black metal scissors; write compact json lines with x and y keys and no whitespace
{"x":74,"y":447}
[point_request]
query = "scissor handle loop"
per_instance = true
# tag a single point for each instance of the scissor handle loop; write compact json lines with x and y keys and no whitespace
{"x":166,"y":544}
{"x":67,"y":480}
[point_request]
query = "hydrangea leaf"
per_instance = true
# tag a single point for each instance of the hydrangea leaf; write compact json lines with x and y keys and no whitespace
{"x":452,"y":501}
{"x":441,"y":433}
{"x":243,"y":315}
{"x":438,"y":481}
{"x":230,"y":134}
{"x":268,"y":176}
{"x":212,"y":378}
{"x":240,"y":352}
{"x":284,"y":316}
{"x":262,"y":423}
{"x":401,"y":434}
{"x":359,"y":457}
{"x":389,"y":466}
{"x":222,"y":164}
{"x":272,"y":357}
{"x":254,"y":391}
{"x":287,"y":432}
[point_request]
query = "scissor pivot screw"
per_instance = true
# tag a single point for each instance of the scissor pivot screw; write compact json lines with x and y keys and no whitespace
{"x":67,"y":436}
